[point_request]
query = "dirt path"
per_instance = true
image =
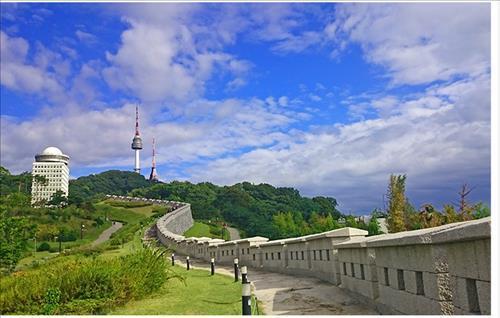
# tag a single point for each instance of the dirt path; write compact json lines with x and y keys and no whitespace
{"x":233,"y":233}
{"x":282,"y":294}
{"x":106,"y":234}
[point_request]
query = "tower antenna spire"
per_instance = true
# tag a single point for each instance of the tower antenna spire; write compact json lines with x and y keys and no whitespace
{"x":137,"y":120}
{"x":153,"y":176}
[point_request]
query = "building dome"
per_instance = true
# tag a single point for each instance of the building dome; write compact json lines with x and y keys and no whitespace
{"x":52,"y":154}
{"x":52,"y":151}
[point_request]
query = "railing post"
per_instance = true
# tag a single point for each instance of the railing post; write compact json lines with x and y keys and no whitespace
{"x":235,"y":269}
{"x":173,"y":259}
{"x":246,"y":293}
{"x":212,"y":266}
{"x":187,"y":262}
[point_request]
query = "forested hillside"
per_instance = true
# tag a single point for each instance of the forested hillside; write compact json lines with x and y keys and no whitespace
{"x":256,"y":209}
{"x":109,"y":182}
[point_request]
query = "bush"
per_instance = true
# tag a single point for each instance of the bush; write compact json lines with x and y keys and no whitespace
{"x":44,"y":246}
{"x":82,"y":285}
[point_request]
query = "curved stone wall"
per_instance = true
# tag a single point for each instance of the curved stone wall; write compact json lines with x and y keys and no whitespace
{"x":441,"y":270}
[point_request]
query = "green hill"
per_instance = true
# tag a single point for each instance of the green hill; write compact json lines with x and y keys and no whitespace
{"x":108,"y":182}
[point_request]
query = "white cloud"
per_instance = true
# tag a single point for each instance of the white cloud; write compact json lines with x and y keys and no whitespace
{"x":42,"y":76}
{"x":86,"y":37}
{"x":419,"y":43}
{"x":167,"y":59}
{"x":427,"y":138}
{"x":101,"y":138}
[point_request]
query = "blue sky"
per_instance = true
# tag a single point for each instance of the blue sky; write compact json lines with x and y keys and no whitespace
{"x":327,"y":98}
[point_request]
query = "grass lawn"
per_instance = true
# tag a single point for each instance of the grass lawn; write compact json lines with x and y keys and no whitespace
{"x":200,"y":229}
{"x":201,"y":295}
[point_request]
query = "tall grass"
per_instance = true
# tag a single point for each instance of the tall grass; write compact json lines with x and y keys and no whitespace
{"x":83,"y":285}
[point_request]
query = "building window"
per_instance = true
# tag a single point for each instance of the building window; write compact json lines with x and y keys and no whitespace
{"x":362,"y":270}
{"x":386,"y":276}
{"x":352,"y":270}
{"x":420,"y":283}
{"x":302,"y":254}
{"x":279,"y":255}
{"x":401,"y":280}
{"x":242,"y":251}
{"x":253,"y":256}
{"x":232,"y":252}
{"x":327,"y":252}
{"x":314,"y":254}
{"x":320,"y":255}
{"x":344,"y":268}
{"x":266,"y":257}
{"x":297,"y":255}
{"x":291,"y":255}
{"x":272,"y":256}
{"x":248,"y":250}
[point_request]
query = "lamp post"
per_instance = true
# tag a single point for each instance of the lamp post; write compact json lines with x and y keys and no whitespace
{"x":235,"y":269}
{"x":82,"y":226}
{"x":246,"y":293}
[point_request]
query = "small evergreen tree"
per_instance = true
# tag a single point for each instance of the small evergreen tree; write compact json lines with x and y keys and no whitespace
{"x":397,"y":202}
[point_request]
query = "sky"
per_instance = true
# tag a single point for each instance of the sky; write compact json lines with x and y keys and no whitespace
{"x":327,"y":98}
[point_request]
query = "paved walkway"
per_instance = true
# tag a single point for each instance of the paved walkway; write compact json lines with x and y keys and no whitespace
{"x":106,"y":234}
{"x":282,"y":294}
{"x":234,"y":234}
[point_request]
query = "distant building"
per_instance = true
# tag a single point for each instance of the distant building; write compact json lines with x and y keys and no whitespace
{"x":51,"y":164}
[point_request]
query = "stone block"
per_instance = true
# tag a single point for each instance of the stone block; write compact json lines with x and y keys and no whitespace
{"x":459,"y":289}
{"x":393,"y":278}
{"x":371,"y":273}
{"x":437,"y":286}
{"x":410,"y":282}
{"x":462,"y":260}
{"x":366,"y":288}
{"x":407,"y":303}
{"x":484,"y":296}
{"x":483,"y":259}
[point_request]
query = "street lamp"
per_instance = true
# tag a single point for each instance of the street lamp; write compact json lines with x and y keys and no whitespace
{"x":81,"y":231}
{"x":58,"y":238}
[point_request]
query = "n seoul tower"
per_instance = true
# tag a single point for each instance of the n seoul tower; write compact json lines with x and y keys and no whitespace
{"x":137,"y":142}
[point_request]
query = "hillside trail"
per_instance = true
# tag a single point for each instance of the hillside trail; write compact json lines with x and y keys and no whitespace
{"x":282,"y":294}
{"x":106,"y":234}
{"x":234,"y":234}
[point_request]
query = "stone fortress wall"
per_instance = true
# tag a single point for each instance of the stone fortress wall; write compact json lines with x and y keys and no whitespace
{"x":441,"y":270}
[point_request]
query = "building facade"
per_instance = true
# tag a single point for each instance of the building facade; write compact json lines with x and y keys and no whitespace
{"x":53,"y":166}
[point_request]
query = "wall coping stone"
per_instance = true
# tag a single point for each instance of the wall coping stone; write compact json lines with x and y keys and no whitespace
{"x":254,"y":239}
{"x":355,"y":242}
{"x":471,"y":230}
{"x":415,"y":237}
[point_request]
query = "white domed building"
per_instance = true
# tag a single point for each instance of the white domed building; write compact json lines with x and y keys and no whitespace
{"x":53,"y":165}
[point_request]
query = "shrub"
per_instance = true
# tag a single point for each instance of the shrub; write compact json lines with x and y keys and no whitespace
{"x":83,"y":285}
{"x":44,"y":246}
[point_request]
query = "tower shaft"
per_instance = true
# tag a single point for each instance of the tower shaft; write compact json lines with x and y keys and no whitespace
{"x":137,"y":166}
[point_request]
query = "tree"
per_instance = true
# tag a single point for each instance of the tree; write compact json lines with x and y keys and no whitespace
{"x":481,"y":211}
{"x":58,"y":199}
{"x":373,"y":226}
{"x":450,"y":215}
{"x":397,"y":202}
{"x":465,"y":210}
{"x":14,"y":235}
